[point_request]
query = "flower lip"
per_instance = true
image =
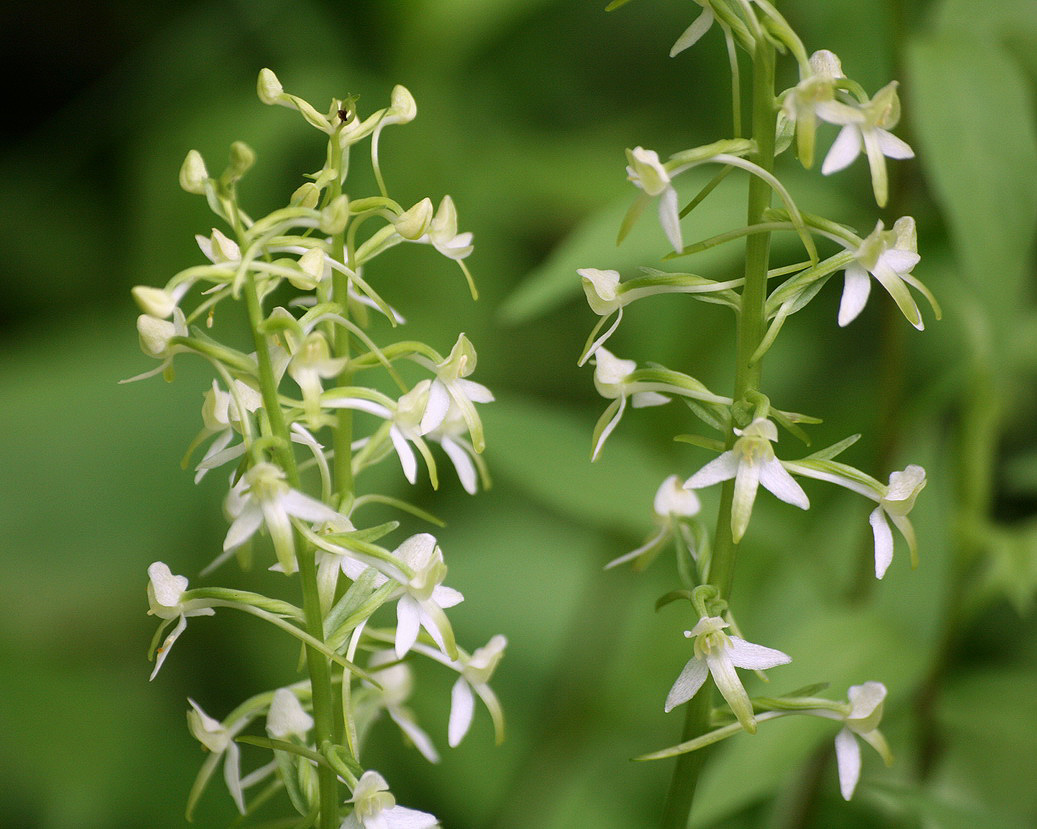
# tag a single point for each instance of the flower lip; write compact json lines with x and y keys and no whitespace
{"x":646,"y":171}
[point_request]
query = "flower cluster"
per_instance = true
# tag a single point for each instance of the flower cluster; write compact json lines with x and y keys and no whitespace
{"x":746,"y":424}
{"x":300,"y":421}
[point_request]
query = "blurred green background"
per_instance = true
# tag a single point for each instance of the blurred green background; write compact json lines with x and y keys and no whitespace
{"x":525,"y":107}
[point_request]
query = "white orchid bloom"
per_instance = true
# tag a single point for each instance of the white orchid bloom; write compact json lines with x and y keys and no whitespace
{"x":611,"y":380}
{"x":647,"y":172}
{"x":375,"y":808}
{"x":673,"y":503}
{"x":895,"y":501}
{"x":813,"y":98}
{"x":286,"y":717}
{"x":889,"y":256}
{"x":165,"y":600}
{"x":262,"y":497}
{"x":423,"y":598}
{"x":750,"y":462}
{"x":866,"y":703}
{"x":452,"y":386}
{"x":871,"y":135}
{"x":476,"y":672}
{"x":718,"y":654}
{"x":222,"y":418}
{"x":395,"y":685}
{"x":219,"y":739}
{"x":452,"y":434}
{"x":442,"y":232}
{"x":311,"y":361}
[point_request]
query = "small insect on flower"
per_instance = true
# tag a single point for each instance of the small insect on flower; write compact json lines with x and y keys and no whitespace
{"x":348,"y":110}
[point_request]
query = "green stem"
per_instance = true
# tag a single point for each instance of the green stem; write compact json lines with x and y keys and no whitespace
{"x":317,"y":664}
{"x":751,"y":328}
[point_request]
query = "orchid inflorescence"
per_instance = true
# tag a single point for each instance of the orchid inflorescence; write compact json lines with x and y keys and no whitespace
{"x":747,"y":453}
{"x":297,"y":422}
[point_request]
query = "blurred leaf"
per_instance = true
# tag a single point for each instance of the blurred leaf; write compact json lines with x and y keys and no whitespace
{"x":975,"y":120}
{"x":546,"y":451}
{"x":1013,"y":19}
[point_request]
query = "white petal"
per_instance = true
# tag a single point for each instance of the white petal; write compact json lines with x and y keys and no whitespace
{"x":730,"y":687}
{"x":307,"y":508}
{"x":687,"y":684}
{"x":406,"y":454}
{"x":780,"y":483}
{"x":435,"y":409}
{"x":669,"y":218}
{"x":400,"y":817}
{"x":755,"y":657}
{"x":446,"y":596}
{"x":747,"y":482}
{"x":893,"y":147}
{"x":722,"y":468}
{"x":243,"y":528}
{"x":644,"y":399}
{"x":883,"y":541}
{"x":476,"y":392}
{"x":462,"y":707}
{"x":856,"y":288}
{"x":695,"y":31}
{"x":407,"y":623}
{"x":232,"y":775}
{"x":619,"y":405}
{"x":166,"y":646}
{"x":845,"y":148}
{"x":901,"y":261}
{"x":848,"y":755}
{"x":422,"y":741}
{"x":462,"y":464}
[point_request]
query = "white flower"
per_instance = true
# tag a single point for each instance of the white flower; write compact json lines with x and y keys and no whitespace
{"x":451,"y":435}
{"x":395,"y":684}
{"x":165,"y":599}
{"x":286,"y":716}
{"x":648,"y":173}
{"x":601,"y":288}
{"x":871,"y":135}
{"x":451,"y":385}
{"x":610,"y":379}
{"x":423,"y":598}
{"x":672,"y":504}
{"x":310,"y":362}
{"x":159,"y":302}
{"x":863,"y":721}
{"x":222,"y":418}
{"x":476,"y":672}
{"x":442,"y":232}
{"x":696,"y":30}
{"x":898,"y":501}
{"x":750,"y":462}
{"x":718,"y":654}
{"x":814,"y":97}
{"x":375,"y":808}
{"x":262,"y":497}
{"x":219,"y":739}
{"x":889,"y":256}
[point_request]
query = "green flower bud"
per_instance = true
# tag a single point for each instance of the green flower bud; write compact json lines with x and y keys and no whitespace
{"x":193,"y":174}
{"x":335,"y":217}
{"x":269,"y":87}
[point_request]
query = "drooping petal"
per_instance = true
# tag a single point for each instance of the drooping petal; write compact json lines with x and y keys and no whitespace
{"x":722,"y":468}
{"x":755,"y":657}
{"x":408,"y":620}
{"x":856,"y":289}
{"x":166,"y":646}
{"x":883,"y":541}
{"x":845,"y":148}
{"x":694,"y":32}
{"x":730,"y":687}
{"x":232,"y":775}
{"x":747,"y":481}
{"x":243,"y":528}
{"x":615,"y":408}
{"x":435,"y":409}
{"x":877,"y":165}
{"x":669,"y":218}
{"x":848,"y":756}
{"x":405,"y":453}
{"x":422,"y":741}
{"x":462,"y":464}
{"x":462,"y":707}
{"x":893,"y":147}
{"x":777,"y":480}
{"x":280,"y":529}
{"x":687,"y":684}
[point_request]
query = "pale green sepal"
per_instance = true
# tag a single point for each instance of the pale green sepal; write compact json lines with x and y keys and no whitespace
{"x":712,"y":444}
{"x":244,"y":597}
{"x":835,"y":449}
{"x":631,"y":217}
{"x":708,"y":739}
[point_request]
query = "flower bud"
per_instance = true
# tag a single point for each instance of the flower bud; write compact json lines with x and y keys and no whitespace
{"x":335,"y":217}
{"x":600,"y":288}
{"x":223,"y":249}
{"x":269,"y":87}
{"x":307,"y":195}
{"x":154,"y":302}
{"x":403,"y":108}
{"x":242,"y":157}
{"x":414,"y":223}
{"x":193,"y":174}
{"x":312,"y":265}
{"x":155,"y":335}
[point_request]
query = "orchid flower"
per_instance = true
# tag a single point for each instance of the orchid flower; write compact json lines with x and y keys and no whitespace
{"x":375,"y":808}
{"x":813,"y":98}
{"x":476,"y":671}
{"x":165,"y":599}
{"x":395,"y":685}
{"x":718,"y":654}
{"x":611,"y":379}
{"x":750,"y":462}
{"x":673,"y":504}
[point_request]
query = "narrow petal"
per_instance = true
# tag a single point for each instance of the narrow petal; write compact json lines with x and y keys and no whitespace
{"x":687,"y":684}
{"x":897,"y":288}
{"x":406,"y":455}
{"x":903,"y":523}
{"x":845,"y":148}
{"x":462,"y":707}
{"x":407,"y":623}
{"x":856,"y":288}
{"x":781,"y":484}
{"x":496,"y":712}
{"x":307,"y":508}
{"x":280,"y":529}
{"x":243,"y":528}
{"x":730,"y":687}
{"x":893,"y":147}
{"x":883,"y":541}
{"x":462,"y":464}
{"x":848,"y":756}
{"x":669,"y":218}
{"x":422,"y":741}
{"x":435,"y":409}
{"x":167,"y":644}
{"x":695,"y":31}
{"x":755,"y":657}
{"x":747,"y":481}
{"x":232,"y":775}
{"x":434,"y":620}
{"x":722,"y":468}
{"x":446,"y":596}
{"x":476,"y":392}
{"x":616,"y":408}
{"x":877,"y":164}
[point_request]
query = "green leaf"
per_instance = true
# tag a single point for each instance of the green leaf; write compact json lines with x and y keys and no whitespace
{"x":975,"y":121}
